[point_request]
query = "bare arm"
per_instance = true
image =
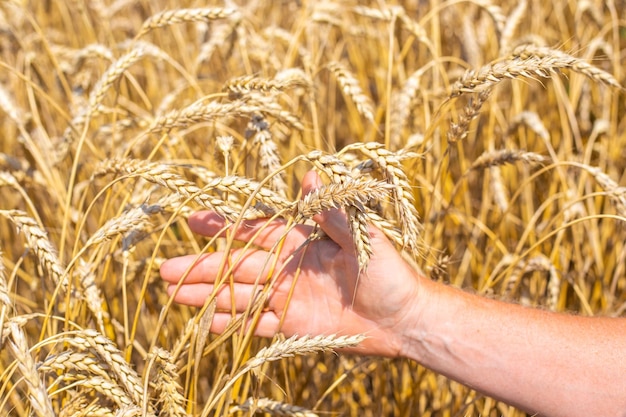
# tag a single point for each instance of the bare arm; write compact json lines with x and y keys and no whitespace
{"x":546,"y":363}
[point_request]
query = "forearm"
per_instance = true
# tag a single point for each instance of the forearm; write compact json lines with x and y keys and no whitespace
{"x":545,"y":363}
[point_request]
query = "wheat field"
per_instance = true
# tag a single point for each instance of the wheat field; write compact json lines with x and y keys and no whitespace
{"x":486,"y":139}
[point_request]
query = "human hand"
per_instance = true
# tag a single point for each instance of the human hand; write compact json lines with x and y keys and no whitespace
{"x":316,"y":291}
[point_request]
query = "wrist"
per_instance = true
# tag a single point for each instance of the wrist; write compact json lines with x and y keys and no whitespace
{"x":424,"y":326}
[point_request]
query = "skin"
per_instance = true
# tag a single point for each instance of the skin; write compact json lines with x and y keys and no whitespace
{"x":546,"y":363}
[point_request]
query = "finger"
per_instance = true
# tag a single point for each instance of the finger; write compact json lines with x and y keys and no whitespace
{"x":267,"y":325}
{"x":250,"y":266}
{"x":261,"y":232}
{"x":333,"y":222}
{"x":197,"y":294}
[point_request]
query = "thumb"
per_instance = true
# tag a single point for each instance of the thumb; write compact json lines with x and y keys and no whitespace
{"x":333,"y":222}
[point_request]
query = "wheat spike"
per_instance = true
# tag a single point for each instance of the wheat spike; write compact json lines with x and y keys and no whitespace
{"x":402,"y":104}
{"x":165,"y":176}
{"x":170,"y":399}
{"x":171,"y":17}
{"x":240,"y":86}
{"x":532,"y":121}
{"x":528,"y":61}
{"x":391,"y":166}
{"x":269,"y":156}
{"x":8,"y":105}
{"x":552,"y":58}
{"x":37,"y":394}
{"x":356,"y":193}
{"x":272,"y":407}
{"x":458,"y":131}
{"x":93,"y":341}
{"x":195,"y":113}
{"x":37,"y":239}
{"x":506,"y":156}
{"x":300,"y":346}
{"x":75,"y":362}
{"x":352,"y":90}
{"x":511,"y":24}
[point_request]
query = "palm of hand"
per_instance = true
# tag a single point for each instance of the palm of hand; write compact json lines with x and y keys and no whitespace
{"x":316,"y":291}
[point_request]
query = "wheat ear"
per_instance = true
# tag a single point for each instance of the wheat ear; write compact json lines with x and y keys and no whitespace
{"x":170,"y":399}
{"x":37,"y":239}
{"x":93,"y":341}
{"x":37,"y":393}
{"x":171,"y":17}
{"x":352,"y":90}
{"x":272,"y":407}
